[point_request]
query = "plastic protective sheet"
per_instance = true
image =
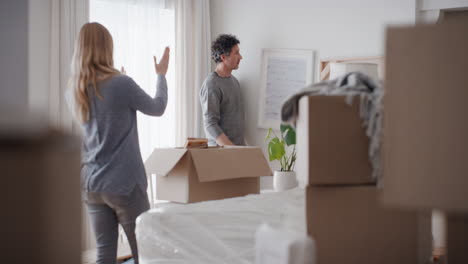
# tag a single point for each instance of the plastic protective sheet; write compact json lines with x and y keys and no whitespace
{"x":218,"y":232}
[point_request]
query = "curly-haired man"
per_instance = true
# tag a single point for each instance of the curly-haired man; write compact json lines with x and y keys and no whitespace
{"x":220,"y":95}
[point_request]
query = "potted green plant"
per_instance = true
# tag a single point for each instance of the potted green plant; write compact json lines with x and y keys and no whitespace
{"x":279,"y":148}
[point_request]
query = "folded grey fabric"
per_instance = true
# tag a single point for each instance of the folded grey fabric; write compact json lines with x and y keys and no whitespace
{"x":349,"y":85}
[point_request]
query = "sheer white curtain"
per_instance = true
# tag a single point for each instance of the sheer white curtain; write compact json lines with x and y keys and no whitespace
{"x":67,"y":17}
{"x":193,"y":63}
{"x":141,"y":29}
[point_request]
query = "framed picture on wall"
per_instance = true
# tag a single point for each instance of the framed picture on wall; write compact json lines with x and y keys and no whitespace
{"x":326,"y":66}
{"x":284,"y":72}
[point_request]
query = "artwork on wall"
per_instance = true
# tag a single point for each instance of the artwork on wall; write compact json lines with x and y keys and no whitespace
{"x":326,"y":66}
{"x":284,"y":72}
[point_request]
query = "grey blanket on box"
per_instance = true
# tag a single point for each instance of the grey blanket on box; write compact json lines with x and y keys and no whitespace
{"x":351,"y":84}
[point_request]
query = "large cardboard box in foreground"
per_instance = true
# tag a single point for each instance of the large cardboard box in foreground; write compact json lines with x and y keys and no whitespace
{"x":425,"y":130}
{"x":332,"y":146}
{"x":457,"y":237}
{"x":350,"y":226}
{"x":41,"y":209}
{"x":194,"y":175}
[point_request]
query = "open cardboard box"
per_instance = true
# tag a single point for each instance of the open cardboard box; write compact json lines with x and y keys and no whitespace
{"x":194,"y":175}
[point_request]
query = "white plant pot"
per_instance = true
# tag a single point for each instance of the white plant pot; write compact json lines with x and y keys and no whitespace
{"x":284,"y":180}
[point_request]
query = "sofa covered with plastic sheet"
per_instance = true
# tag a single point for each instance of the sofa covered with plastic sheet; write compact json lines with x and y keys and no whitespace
{"x":221,"y":231}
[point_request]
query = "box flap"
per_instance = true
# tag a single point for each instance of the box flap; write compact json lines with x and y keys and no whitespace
{"x":162,"y":161}
{"x":229,"y":163}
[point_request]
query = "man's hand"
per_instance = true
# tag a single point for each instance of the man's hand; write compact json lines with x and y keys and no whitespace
{"x":223,"y":140}
{"x":161,"y":68}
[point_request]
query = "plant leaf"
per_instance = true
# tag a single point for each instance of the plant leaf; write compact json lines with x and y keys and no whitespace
{"x":283,"y":128}
{"x":276,"y":149}
{"x":289,"y":134}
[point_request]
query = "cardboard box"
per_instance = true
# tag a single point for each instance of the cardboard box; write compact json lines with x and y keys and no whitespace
{"x":41,"y":212}
{"x":457,"y":238}
{"x":425,"y":130}
{"x":350,"y":226}
{"x":332,"y":147}
{"x":194,"y":175}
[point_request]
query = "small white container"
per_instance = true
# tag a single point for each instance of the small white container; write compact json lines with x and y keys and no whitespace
{"x":284,"y":180}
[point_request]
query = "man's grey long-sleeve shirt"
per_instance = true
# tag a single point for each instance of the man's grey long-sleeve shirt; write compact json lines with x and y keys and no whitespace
{"x":111,"y":158}
{"x":223,"y":109}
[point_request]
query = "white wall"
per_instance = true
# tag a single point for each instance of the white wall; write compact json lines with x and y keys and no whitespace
{"x":14,"y":54}
{"x":24,"y":54}
{"x":430,"y":11}
{"x":335,"y":28}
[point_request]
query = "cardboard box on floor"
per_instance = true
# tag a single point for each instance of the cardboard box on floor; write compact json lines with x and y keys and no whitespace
{"x":350,"y":226}
{"x":425,"y":129}
{"x":194,"y":175}
{"x":332,"y":147}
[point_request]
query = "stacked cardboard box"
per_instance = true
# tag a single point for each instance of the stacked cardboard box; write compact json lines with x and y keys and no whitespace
{"x":344,"y":215}
{"x":425,"y":128}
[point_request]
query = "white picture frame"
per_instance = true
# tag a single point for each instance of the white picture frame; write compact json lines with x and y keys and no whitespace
{"x":284,"y":72}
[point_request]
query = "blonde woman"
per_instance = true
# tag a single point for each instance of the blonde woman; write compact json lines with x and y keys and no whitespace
{"x":105,"y":102}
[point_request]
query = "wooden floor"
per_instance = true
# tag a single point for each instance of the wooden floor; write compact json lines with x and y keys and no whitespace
{"x":123,"y":253}
{"x":439,"y":255}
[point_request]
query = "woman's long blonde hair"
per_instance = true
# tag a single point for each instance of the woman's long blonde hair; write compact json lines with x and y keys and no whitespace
{"x":92,"y":62}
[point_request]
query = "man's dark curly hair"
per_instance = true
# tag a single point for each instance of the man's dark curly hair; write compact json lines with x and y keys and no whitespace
{"x":223,"y":45}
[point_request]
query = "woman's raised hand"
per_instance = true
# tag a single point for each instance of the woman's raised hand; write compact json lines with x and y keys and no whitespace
{"x":161,"y":68}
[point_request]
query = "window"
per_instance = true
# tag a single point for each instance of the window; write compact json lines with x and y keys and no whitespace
{"x":141,"y":29}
